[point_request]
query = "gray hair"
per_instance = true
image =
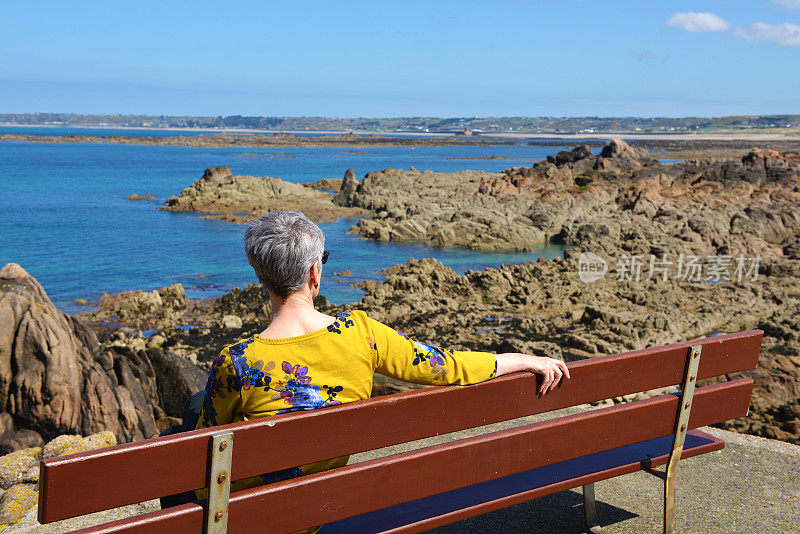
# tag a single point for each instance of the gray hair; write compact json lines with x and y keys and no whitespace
{"x":281,"y":247}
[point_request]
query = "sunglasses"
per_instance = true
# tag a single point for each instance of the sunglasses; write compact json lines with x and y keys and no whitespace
{"x":325,"y":255}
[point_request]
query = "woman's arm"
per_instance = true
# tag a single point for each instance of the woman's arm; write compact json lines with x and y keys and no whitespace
{"x":550,"y":369}
{"x":400,"y":357}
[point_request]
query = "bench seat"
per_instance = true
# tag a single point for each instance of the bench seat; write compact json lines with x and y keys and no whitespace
{"x":444,"y":508}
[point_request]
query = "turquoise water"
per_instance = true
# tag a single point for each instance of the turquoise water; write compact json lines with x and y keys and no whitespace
{"x":66,"y":220}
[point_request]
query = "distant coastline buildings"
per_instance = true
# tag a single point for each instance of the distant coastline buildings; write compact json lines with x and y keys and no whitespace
{"x":464,"y":126}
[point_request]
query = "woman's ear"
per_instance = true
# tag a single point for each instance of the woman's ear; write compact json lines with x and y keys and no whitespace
{"x":315,"y":275}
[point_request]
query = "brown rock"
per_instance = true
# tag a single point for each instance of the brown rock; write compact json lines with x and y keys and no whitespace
{"x":12,"y":439}
{"x":178,"y":380}
{"x":327,"y":184}
{"x":220,"y":192}
{"x":348,"y":189}
{"x":54,"y":375}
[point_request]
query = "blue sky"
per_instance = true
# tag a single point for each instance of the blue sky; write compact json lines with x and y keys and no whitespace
{"x":405,"y":58}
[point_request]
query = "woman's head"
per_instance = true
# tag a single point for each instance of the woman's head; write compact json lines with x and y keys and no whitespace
{"x":282,"y":248}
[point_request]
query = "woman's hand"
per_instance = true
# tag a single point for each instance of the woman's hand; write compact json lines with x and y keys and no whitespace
{"x":551,"y":370}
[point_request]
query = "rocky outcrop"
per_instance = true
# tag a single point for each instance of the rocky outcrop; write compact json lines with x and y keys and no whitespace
{"x":740,"y":205}
{"x":544,"y":308}
{"x":276,"y":140}
{"x":518,"y":209}
{"x":55,"y":378}
{"x":438,"y":209}
{"x":19,"y":472}
{"x":160,"y":308}
{"x":326,"y":184}
{"x":220,"y":192}
{"x":347,"y":190}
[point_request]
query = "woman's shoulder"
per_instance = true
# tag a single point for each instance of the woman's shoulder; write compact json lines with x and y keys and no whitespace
{"x":345,"y":320}
{"x":240,"y":346}
{"x":352,"y":315}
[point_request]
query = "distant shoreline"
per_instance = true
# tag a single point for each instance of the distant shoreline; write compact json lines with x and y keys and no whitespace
{"x":256,"y":140}
{"x":654,"y":137}
{"x":233,"y":130}
{"x":727,"y":136}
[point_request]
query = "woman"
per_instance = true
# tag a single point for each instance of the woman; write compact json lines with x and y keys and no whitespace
{"x":306,"y":360}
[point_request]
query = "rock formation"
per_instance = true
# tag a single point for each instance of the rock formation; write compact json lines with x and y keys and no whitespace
{"x":544,"y":308}
{"x":220,"y":192}
{"x":160,"y":308}
{"x":438,"y":209}
{"x":276,"y":140}
{"x":55,"y":378}
{"x":741,"y":205}
{"x":347,"y":190}
{"x":326,"y":184}
{"x":19,"y":471}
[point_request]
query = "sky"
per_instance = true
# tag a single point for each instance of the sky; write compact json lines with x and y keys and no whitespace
{"x":402,"y":58}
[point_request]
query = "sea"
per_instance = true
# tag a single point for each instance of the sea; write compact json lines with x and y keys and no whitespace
{"x":65,"y":218}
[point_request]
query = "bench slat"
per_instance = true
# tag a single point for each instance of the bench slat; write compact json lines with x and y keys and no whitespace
{"x":333,"y":495}
{"x":172,"y":464}
{"x":455,"y":505}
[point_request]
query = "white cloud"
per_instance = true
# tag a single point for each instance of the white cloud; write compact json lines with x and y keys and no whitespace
{"x":791,"y":4}
{"x":698,"y":22}
{"x":786,"y":34}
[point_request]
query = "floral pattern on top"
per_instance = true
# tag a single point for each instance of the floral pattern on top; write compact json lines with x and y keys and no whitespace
{"x":343,"y":320}
{"x":236,"y":379}
{"x":247,"y":375}
{"x":434,"y":356}
{"x":299,"y":393}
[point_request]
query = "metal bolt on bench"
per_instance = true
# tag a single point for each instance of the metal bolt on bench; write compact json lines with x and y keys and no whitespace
{"x":670,"y":474}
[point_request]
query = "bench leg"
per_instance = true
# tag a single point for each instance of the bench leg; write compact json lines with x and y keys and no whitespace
{"x":669,"y":504}
{"x":589,"y":509}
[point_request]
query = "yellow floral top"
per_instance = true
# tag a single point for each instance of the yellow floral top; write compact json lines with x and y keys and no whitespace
{"x":260,"y":377}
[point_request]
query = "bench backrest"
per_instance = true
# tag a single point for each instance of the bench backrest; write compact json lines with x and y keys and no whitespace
{"x":152,"y":468}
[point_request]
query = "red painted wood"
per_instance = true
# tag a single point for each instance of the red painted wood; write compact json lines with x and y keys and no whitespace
{"x":183,"y":519}
{"x":164,"y":466}
{"x":482,"y":508}
{"x":188,"y":518}
{"x":332,"y":495}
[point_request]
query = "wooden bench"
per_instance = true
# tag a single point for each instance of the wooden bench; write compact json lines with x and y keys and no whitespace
{"x":425,"y":488}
